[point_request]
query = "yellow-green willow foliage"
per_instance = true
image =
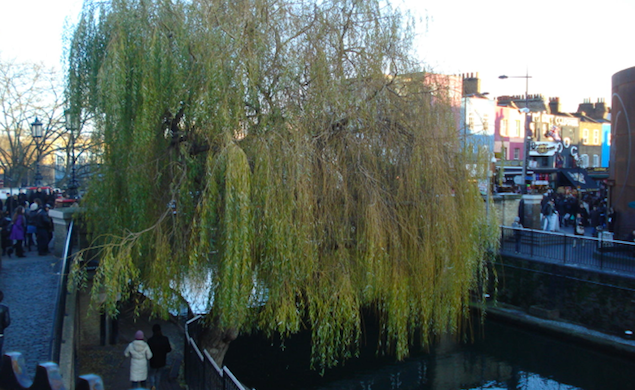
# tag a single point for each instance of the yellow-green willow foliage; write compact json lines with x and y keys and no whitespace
{"x":313,"y":172}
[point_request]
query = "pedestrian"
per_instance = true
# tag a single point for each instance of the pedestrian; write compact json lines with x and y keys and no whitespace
{"x":5,"y":321}
{"x":517,"y":233}
{"x":579,"y":228}
{"x":160,"y":347}
{"x":31,"y":229}
{"x":38,"y":194}
{"x":611,"y":216}
{"x":595,"y":220}
{"x":52,"y":196}
{"x":18,"y":231}
{"x":43,"y":227}
{"x":11,"y":203}
{"x":139,"y":353}
{"x":547,"y":212}
{"x":22,"y":198}
{"x":5,"y":232}
{"x":554,"y":220}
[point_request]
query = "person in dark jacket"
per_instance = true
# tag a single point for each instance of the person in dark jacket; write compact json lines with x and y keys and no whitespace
{"x":160,"y":347}
{"x":5,"y":231}
{"x":22,"y":198}
{"x":5,"y":321}
{"x":43,"y":226}
{"x":595,"y":221}
{"x":11,"y":203}
{"x":38,"y":194}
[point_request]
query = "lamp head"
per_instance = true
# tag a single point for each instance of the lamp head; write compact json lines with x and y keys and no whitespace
{"x":72,"y":121}
{"x":36,"y":129}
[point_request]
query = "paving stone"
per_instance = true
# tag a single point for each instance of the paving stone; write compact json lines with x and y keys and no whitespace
{"x":30,"y":288}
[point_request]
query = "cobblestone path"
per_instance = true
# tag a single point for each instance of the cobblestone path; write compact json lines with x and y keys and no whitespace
{"x":30,"y":291}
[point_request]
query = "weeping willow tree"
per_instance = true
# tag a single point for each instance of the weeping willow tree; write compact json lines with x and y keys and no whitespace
{"x":287,"y":158}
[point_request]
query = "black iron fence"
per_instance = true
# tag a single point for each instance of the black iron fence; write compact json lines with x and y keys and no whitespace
{"x":600,"y":253}
{"x":201,"y":371}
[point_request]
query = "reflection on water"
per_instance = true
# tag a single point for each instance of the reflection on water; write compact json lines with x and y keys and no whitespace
{"x":503,"y":357}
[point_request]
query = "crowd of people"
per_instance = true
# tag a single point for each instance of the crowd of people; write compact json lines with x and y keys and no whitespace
{"x":581,"y":211}
{"x":25,"y":223}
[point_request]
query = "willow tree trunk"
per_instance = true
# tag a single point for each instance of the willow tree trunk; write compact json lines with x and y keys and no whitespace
{"x":216,"y":342}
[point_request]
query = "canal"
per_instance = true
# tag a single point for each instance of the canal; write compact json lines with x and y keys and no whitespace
{"x":500,"y":356}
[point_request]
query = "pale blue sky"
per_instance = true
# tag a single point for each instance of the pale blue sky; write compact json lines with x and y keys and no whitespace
{"x":570,"y":48}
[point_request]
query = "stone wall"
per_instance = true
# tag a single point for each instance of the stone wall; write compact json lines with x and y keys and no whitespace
{"x":61,"y":218}
{"x":600,"y":301}
{"x":506,"y":206}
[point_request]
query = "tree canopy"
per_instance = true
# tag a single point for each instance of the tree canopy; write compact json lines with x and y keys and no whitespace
{"x":286,"y":157}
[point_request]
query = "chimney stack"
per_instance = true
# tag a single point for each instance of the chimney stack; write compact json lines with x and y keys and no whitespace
{"x":554,"y":105}
{"x":471,"y":84}
{"x":587,"y":108}
{"x":601,"y":110}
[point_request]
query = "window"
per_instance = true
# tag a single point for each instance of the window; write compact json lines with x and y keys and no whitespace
{"x":585,"y":160}
{"x":596,"y":137}
{"x":504,"y":131}
{"x":585,"y":136}
{"x":504,"y":153}
{"x":516,"y":131}
{"x":596,"y":161}
{"x":60,"y":160}
{"x":470,"y":121}
{"x":485,"y":123}
{"x":516,"y":153}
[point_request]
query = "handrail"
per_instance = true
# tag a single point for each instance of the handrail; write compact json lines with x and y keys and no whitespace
{"x":600,"y":253}
{"x":60,"y":304}
{"x":546,"y":232}
{"x":222,"y":377}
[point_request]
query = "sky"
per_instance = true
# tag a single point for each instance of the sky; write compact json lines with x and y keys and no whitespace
{"x":569,"y":48}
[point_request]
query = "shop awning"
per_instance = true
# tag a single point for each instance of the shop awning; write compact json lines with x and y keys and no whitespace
{"x":579,"y":178}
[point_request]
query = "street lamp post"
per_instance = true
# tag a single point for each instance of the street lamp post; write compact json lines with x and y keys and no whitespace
{"x":527,"y":135}
{"x":36,"y":133}
{"x":73,"y":128}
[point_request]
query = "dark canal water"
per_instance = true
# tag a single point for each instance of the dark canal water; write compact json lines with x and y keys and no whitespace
{"x":502,"y":356}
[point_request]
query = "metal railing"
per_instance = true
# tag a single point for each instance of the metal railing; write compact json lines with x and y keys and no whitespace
{"x":598,"y":253}
{"x":60,"y":303}
{"x":201,"y":371}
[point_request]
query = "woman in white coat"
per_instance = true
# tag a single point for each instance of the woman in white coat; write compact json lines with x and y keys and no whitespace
{"x":140,"y":353}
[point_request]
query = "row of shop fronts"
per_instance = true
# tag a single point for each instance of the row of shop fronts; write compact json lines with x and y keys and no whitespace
{"x":563,"y":152}
{"x":541,"y":180}
{"x":551,"y":165}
